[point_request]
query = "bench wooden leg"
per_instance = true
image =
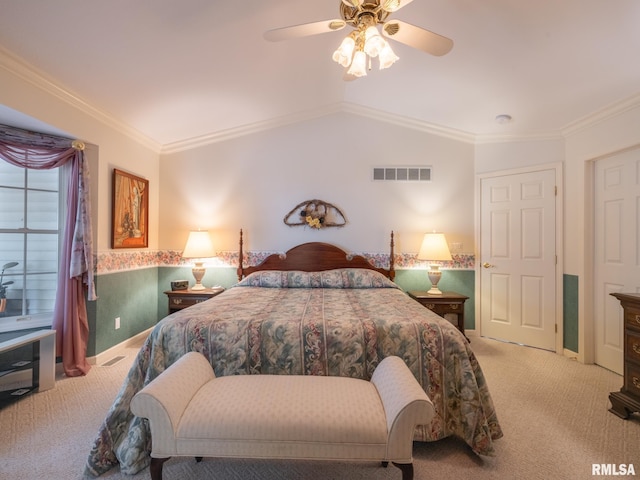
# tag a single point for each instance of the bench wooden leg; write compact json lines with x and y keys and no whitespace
{"x":407,"y":470}
{"x":156,"y":467}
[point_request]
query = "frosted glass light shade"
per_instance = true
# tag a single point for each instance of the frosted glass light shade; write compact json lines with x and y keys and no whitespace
{"x":359,"y":64}
{"x":344,"y":53}
{"x":373,"y":43}
{"x":387,"y":57}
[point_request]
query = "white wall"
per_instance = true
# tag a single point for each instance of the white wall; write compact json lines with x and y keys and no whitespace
{"x":491,"y":157}
{"x":254,"y":181}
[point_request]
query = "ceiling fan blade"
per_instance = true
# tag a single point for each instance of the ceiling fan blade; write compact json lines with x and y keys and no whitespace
{"x":417,"y":37}
{"x":394,"y":5}
{"x":304,"y":30}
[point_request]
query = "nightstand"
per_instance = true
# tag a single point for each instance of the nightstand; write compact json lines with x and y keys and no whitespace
{"x":179,"y":299}
{"x":448,"y":302}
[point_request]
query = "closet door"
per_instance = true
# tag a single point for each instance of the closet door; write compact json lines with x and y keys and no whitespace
{"x":617,"y":250}
{"x":518,"y":284}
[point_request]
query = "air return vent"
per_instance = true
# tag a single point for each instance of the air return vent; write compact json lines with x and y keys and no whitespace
{"x":402,"y":174}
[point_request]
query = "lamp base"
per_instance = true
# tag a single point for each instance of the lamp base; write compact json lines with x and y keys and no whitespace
{"x":198,"y":272}
{"x":434,"y":277}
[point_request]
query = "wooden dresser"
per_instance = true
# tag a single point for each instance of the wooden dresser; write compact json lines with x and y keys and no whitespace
{"x":627,"y":400}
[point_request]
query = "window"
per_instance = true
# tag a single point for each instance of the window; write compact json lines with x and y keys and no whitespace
{"x":31,"y":213}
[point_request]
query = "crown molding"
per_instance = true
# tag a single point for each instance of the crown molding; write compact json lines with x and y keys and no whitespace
{"x":341,"y":107}
{"x":606,"y":113}
{"x":30,"y":74}
{"x":408,"y":122}
{"x":248,"y":129}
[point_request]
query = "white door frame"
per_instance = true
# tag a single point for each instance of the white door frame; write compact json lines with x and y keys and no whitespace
{"x":558,"y":167}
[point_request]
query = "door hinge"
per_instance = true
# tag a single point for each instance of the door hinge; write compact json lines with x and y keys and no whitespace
{"x":556,"y":190}
{"x":556,"y":328}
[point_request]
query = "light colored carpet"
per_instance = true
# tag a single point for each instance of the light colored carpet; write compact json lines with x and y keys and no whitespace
{"x":553,"y":410}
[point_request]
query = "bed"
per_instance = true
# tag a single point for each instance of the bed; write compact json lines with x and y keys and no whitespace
{"x":316,"y":310}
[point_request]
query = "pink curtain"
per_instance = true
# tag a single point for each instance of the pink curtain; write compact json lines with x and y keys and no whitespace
{"x":40,"y":151}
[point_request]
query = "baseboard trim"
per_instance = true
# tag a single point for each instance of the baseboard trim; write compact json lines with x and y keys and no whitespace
{"x":570,"y":354}
{"x":116,"y":350}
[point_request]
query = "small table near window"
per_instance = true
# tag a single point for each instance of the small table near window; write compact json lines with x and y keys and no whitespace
{"x":179,"y":299}
{"x":447,"y":303}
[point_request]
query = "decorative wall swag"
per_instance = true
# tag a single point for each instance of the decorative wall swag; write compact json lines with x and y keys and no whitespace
{"x":315,"y":214}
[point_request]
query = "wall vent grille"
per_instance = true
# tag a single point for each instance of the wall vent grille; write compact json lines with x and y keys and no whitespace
{"x":402,"y":174}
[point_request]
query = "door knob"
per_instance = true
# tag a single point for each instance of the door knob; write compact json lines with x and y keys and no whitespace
{"x":487,"y":265}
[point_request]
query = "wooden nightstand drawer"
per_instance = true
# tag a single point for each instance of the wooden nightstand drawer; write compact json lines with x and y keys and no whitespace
{"x":181,"y":299}
{"x":444,"y":308}
{"x":184,"y":302}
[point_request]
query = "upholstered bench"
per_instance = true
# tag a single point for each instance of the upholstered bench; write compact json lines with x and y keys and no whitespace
{"x":193,"y":413}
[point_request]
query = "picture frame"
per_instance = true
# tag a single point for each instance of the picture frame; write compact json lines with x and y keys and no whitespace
{"x":130,"y":211}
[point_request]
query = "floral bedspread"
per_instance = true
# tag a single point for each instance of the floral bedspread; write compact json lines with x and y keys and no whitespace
{"x":341,"y":322}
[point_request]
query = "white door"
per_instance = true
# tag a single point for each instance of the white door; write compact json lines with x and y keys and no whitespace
{"x":616,"y":250}
{"x":518,"y":257}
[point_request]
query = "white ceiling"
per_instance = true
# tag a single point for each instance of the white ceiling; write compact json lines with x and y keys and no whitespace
{"x":176,"y":70}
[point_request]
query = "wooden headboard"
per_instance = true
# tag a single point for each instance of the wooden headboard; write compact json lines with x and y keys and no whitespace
{"x":314,"y":257}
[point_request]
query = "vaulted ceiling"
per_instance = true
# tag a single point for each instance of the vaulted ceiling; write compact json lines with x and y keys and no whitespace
{"x":179,"y":70}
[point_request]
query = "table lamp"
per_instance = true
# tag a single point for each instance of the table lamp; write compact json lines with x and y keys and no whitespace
{"x":198,"y":247}
{"x":434,"y":249}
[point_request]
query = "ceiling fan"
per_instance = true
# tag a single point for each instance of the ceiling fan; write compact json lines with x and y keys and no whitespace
{"x":365,"y":42}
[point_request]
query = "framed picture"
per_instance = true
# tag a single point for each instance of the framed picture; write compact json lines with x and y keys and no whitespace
{"x":130,"y":210}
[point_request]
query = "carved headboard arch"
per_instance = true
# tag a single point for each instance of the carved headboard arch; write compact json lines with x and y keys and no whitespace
{"x":314,"y":257}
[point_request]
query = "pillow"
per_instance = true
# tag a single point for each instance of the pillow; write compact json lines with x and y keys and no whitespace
{"x":339,"y":278}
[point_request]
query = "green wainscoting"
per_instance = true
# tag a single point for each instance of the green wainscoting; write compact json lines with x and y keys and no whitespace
{"x":570,"y":312}
{"x":132,"y":296}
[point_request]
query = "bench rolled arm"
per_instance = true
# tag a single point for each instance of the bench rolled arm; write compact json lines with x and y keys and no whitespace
{"x":405,"y":404}
{"x":164,"y":400}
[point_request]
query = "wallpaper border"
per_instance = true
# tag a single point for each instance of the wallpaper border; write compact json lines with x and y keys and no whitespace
{"x":116,"y":261}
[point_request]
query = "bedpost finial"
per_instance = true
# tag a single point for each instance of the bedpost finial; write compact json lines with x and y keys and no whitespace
{"x":240,"y":270}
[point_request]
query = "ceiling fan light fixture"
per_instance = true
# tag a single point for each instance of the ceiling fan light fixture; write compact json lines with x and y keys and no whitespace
{"x":387,"y":56}
{"x":352,"y":3}
{"x":344,"y":52}
{"x":359,"y":64}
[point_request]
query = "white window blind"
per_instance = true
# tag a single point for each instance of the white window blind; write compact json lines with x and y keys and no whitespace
{"x":30,"y":214}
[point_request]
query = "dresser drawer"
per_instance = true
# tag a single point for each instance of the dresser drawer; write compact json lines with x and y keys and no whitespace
{"x":632,"y":379}
{"x":632,"y":340}
{"x":632,"y":318}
